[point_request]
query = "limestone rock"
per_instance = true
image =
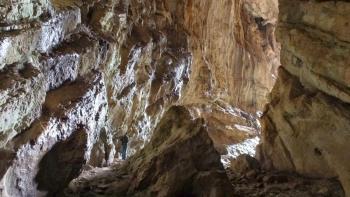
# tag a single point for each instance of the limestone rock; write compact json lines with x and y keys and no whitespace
{"x":67,"y":110}
{"x":306,"y":125}
{"x":147,"y":73}
{"x":274,"y":183}
{"x":232,"y":130}
{"x":178,"y":161}
{"x":43,"y":36}
{"x":300,"y":129}
{"x":235,"y":54}
{"x":19,"y":11}
{"x":72,"y":58}
{"x":244,"y":163}
{"x":22,"y":92}
{"x":156,"y":70}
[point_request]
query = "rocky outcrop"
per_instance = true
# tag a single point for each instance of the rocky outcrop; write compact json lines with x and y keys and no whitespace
{"x":306,"y":125}
{"x":71,"y":71}
{"x":77,"y":75}
{"x":22,"y":94}
{"x":178,"y":161}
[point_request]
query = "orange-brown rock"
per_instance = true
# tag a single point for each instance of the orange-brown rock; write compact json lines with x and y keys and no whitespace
{"x":306,"y":125}
{"x":234,"y":51}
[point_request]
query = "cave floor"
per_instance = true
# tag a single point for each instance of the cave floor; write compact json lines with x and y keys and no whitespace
{"x":282,"y":184}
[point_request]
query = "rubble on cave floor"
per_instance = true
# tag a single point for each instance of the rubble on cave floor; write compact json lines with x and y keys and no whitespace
{"x":249,"y":180}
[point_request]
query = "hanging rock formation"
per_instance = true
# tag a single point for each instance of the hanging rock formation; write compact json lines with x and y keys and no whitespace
{"x":306,"y":125}
{"x":235,"y":57}
{"x":235,"y":54}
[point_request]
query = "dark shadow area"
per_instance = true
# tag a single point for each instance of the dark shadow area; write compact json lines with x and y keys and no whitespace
{"x":62,"y":164}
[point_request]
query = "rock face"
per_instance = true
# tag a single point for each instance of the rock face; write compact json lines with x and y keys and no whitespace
{"x":77,"y":75}
{"x":306,"y":125}
{"x":171,"y":53}
{"x":165,"y":167}
{"x":235,"y":54}
{"x":53,"y":95}
{"x":88,"y":72}
{"x":73,"y":109}
{"x":235,"y":57}
{"x":148,"y":68}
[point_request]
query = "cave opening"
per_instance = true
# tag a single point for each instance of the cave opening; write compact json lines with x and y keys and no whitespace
{"x":174,"y":98}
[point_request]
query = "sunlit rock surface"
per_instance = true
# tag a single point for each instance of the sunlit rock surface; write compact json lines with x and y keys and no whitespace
{"x":180,"y":160}
{"x":162,"y":60}
{"x":306,"y":125}
{"x":22,"y":94}
{"x":88,"y":72}
{"x":52,"y":97}
{"x":79,"y":107}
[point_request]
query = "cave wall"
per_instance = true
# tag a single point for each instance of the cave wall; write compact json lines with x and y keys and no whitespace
{"x":235,"y":54}
{"x":175,"y":52}
{"x":88,"y":72}
{"x":53,"y":92}
{"x":306,"y":125}
{"x":235,"y":58}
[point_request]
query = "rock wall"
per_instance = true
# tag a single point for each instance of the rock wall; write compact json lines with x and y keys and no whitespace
{"x":235,"y":57}
{"x":147,"y":70}
{"x":235,"y":54}
{"x":88,"y":72}
{"x":306,"y":125}
{"x":156,"y":59}
{"x":84,"y":73}
{"x":52,"y":92}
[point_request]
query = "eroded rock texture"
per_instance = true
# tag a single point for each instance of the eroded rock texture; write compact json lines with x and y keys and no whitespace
{"x":147,"y":72}
{"x":306,"y":126}
{"x":52,"y":92}
{"x":88,"y":72}
{"x":165,"y":167}
{"x":234,"y":51}
{"x":171,"y":52}
{"x":235,"y":56}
